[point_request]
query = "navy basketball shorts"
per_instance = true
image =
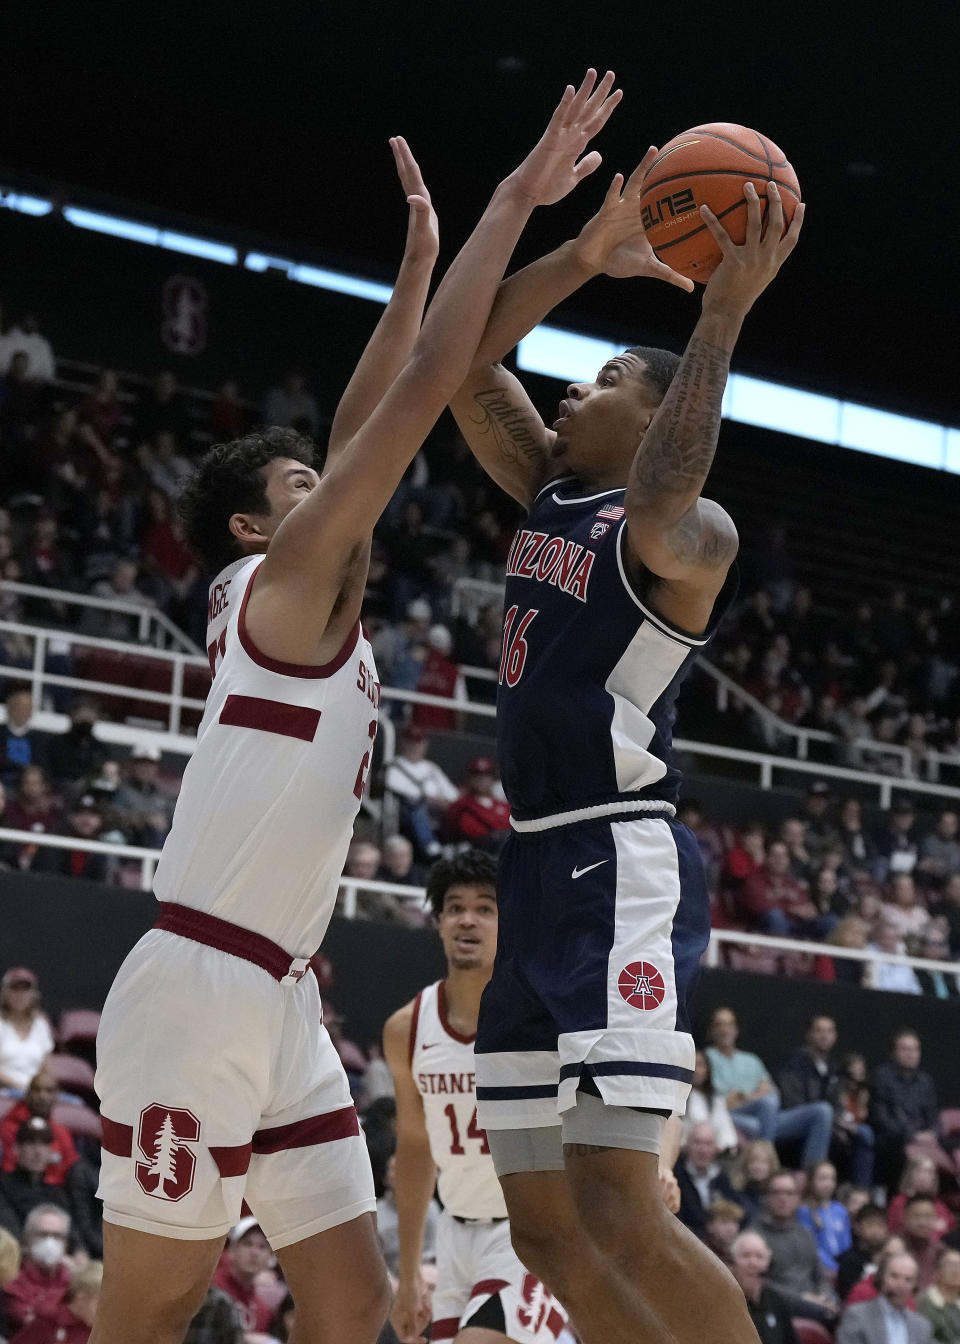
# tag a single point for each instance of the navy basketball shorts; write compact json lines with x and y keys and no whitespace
{"x":602,"y":925}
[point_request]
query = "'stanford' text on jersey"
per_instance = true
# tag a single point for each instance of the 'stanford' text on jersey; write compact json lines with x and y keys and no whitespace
{"x":268,"y":800}
{"x":588,"y":672}
{"x":443,"y":1068}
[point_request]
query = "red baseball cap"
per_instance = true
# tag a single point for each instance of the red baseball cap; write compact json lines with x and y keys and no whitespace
{"x":481,"y":765}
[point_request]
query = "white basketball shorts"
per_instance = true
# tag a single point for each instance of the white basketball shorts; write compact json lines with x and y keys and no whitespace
{"x":218,"y":1083}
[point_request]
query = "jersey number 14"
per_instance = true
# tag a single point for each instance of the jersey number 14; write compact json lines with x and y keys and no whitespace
{"x":473,"y":1132}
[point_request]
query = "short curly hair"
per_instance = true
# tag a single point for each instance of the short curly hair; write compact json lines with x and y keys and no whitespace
{"x":472,"y":868}
{"x":230,"y":479}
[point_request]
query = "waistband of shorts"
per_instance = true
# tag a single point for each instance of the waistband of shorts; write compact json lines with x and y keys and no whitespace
{"x":477,"y":1222}
{"x":212,"y":931}
{"x":647,"y":807}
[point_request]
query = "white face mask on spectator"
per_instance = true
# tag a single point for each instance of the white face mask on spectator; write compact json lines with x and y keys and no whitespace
{"x":47,"y":1251}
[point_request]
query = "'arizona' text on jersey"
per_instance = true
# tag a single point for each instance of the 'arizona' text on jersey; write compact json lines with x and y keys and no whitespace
{"x":588,"y":673}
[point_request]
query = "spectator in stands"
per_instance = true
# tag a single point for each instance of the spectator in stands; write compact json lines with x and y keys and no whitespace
{"x":888,"y":1318}
{"x":940,"y":850}
{"x":724,"y":1220}
{"x":161,"y":409}
{"x":290,"y":405}
{"x":162,"y":462}
{"x":44,"y":1279}
{"x":700,"y":1177}
{"x":38,"y":1102}
{"x":706,"y":1106}
{"x":102,"y":408}
{"x":891,"y":975}
{"x":948,"y":910}
{"x":106,"y":623}
{"x":769,"y":1311}
{"x":903,"y":907}
{"x":9,"y":1261}
{"x":756,"y":1163}
{"x":794,"y":836}
{"x":709,"y":839}
{"x":903,"y":1103}
{"x":744,"y":858}
{"x":398,"y":864}
{"x":940,"y":1303}
{"x":77,"y":755}
{"x":896,"y":841}
{"x":422,"y":789}
{"x":753,"y":1099}
{"x":84,"y":822}
{"x":167,"y":555}
{"x":825,"y":1216}
{"x":46,"y":563}
{"x":776,"y":903}
{"x":813,"y":1073}
{"x":217,"y":1322}
{"x":25,"y":1036}
{"x":479,"y":817}
{"x":24,"y":1187}
{"x":72,"y":1321}
{"x":363,"y":863}
{"x":26,"y":336}
{"x":870,"y":1233}
{"x":919,"y":1232}
{"x":935,"y":946}
{"x":21,"y":401}
{"x":795,"y":1270}
{"x":920,"y":1177}
{"x":142,"y":806}
{"x":859,"y":850}
{"x":20,"y":744}
{"x":248,"y":1253}
{"x":34,"y":808}
{"x":440,"y":676}
{"x":820,"y":830}
{"x":228,"y":418}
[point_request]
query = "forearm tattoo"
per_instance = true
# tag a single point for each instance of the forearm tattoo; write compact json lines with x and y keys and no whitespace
{"x":508,"y":425}
{"x":678,"y":449}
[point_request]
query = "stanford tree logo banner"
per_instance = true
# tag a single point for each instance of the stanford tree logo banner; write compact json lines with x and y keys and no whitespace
{"x":169,"y":1166}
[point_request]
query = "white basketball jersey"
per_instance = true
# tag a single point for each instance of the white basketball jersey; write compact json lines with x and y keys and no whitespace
{"x":266,"y":809}
{"x":442,"y":1064}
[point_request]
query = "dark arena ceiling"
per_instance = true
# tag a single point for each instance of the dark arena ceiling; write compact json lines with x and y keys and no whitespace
{"x":275,"y":118}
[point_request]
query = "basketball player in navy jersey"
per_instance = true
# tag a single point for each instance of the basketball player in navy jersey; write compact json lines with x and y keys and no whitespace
{"x":616,"y":579}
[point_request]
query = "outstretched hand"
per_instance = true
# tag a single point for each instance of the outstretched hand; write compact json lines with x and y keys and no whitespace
{"x":551,"y":170}
{"x":613,"y":241}
{"x":747,"y":268}
{"x":423,"y":233}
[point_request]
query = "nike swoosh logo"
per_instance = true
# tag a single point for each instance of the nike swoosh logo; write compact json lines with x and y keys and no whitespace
{"x":579,"y":872}
{"x":428,"y":1045}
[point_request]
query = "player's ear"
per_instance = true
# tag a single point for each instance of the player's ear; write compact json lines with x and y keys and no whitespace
{"x":246,"y":528}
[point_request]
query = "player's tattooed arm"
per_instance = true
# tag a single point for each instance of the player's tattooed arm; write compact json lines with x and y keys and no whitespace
{"x":504,"y":431}
{"x":672,"y":530}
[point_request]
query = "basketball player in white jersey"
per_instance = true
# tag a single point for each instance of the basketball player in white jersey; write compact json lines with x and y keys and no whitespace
{"x":216,"y":1076}
{"x":483,"y":1292}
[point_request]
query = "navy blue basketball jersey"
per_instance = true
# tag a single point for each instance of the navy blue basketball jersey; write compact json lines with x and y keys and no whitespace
{"x":588,"y":673}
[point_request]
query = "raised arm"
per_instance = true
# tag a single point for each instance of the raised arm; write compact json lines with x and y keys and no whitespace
{"x":688,"y":541}
{"x":494,"y":413}
{"x":415,"y":1176}
{"x":318,"y":543}
{"x":388,"y":349}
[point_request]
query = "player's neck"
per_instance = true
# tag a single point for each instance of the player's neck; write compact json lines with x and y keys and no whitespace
{"x":599,"y":479}
{"x":462,"y":991}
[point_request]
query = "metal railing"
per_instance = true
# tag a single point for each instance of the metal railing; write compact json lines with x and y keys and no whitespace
{"x":147,"y":616}
{"x":351,"y":887}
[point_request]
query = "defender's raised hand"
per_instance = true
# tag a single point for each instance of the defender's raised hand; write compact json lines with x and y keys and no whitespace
{"x":613,"y":241}
{"x":423,"y":233}
{"x":551,"y":170}
{"x":747,"y":268}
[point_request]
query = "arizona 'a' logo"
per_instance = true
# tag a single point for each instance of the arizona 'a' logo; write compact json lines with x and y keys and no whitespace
{"x":641,"y":984}
{"x":168,"y":1171}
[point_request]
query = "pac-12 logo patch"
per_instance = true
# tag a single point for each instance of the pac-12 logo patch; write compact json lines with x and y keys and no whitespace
{"x":641,"y":984}
{"x":162,"y":1138}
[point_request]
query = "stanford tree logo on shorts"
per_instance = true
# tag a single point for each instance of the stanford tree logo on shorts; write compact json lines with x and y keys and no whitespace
{"x":169,"y":1168}
{"x":641,"y":984}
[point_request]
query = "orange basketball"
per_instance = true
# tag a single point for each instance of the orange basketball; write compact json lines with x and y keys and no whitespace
{"x":709,"y":165}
